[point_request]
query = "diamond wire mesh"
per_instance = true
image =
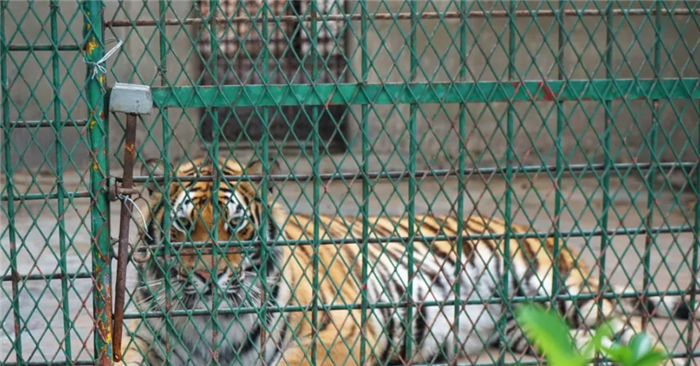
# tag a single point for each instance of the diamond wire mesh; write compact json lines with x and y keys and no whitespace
{"x":576,"y":118}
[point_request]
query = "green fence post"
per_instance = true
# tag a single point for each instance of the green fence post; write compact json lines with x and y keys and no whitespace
{"x":695,"y":262}
{"x":264,"y":183}
{"x":608,"y":162}
{"x":461,"y":184}
{"x":651,"y":174}
{"x":60,"y":189}
{"x":9,"y":190}
{"x":509,"y":174}
{"x":316,"y":153}
{"x":164,"y":49}
{"x":412,"y":187}
{"x":364,"y":168}
{"x":559,"y":160}
{"x":99,"y":212}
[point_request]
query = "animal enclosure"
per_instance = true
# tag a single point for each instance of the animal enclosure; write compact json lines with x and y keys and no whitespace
{"x":575,"y":119}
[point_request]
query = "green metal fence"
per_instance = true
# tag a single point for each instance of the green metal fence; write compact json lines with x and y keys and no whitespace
{"x":577,"y":119}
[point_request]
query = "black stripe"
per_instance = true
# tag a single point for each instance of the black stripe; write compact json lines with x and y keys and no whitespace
{"x":162,"y":341}
{"x":391,"y":329}
{"x":249,"y":342}
{"x":421,"y":325}
{"x":561,"y":304}
{"x":283,"y":335}
{"x":150,"y":240}
{"x":683,"y":311}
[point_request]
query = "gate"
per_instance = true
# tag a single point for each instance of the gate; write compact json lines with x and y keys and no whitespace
{"x":577,"y":119}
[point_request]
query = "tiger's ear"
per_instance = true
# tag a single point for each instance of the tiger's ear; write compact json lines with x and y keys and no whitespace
{"x":256,"y":168}
{"x":151,"y":168}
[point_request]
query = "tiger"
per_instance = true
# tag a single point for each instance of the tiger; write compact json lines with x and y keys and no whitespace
{"x":296,"y":267}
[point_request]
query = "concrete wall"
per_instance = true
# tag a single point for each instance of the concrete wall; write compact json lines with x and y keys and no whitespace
{"x":437,"y":125}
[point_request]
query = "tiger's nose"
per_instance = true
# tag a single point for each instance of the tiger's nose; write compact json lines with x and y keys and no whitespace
{"x":205,"y":275}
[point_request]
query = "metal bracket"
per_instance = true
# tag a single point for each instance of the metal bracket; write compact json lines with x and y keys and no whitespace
{"x":131,"y":99}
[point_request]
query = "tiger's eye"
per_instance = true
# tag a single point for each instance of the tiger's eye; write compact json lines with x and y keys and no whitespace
{"x":235,"y":223}
{"x":183,"y":223}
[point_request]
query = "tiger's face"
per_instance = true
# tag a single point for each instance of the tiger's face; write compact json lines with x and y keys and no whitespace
{"x":198,"y":220}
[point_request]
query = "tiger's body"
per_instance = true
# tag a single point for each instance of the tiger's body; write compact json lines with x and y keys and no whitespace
{"x":290,"y":282}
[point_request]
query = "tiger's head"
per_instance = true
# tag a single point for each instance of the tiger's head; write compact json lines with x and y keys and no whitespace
{"x":195,"y":267}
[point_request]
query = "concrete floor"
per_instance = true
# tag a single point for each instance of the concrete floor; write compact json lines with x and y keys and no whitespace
{"x":37,"y":235}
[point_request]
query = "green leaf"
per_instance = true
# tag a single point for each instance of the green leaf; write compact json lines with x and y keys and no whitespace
{"x":551,"y":334}
{"x":619,"y":354}
{"x":643,"y":351}
{"x":653,"y":358}
{"x":639,"y":352}
{"x":640,"y":345}
{"x":596,"y":343}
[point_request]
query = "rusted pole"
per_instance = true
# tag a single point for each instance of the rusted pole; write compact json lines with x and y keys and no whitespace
{"x":124,"y":223}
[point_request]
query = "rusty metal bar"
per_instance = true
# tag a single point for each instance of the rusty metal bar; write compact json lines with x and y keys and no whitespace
{"x":124,"y":224}
{"x":399,"y":16}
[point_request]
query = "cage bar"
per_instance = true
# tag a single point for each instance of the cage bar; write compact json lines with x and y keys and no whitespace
{"x":10,"y":188}
{"x":412,"y":188}
{"x":34,"y":124}
{"x":428,"y":238}
{"x":99,"y":214}
{"x":695,"y":261}
{"x":651,"y":174}
{"x":214,"y":6}
{"x":407,"y":15}
{"x":402,"y":304}
{"x":461,"y":185}
{"x":42,"y":47}
{"x":316,"y":156}
{"x":436,"y":173}
{"x":164,"y":49}
{"x":390,"y":93}
{"x":264,"y":183}
{"x":364,"y":170}
{"x":559,"y":199}
{"x":60,"y":189}
{"x":608,"y":160}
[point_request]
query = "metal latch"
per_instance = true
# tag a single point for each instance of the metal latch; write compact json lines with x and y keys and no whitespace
{"x":133,"y":100}
{"x":115,"y":190}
